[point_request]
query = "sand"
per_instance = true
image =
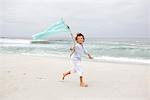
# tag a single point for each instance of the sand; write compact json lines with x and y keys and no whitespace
{"x":27,"y":77}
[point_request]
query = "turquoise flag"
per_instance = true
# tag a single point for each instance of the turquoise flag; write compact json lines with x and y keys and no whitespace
{"x":58,"y":27}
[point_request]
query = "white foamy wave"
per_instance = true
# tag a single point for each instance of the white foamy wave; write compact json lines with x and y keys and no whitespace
{"x":51,"y":55}
{"x":122,"y":60}
{"x":13,"y":41}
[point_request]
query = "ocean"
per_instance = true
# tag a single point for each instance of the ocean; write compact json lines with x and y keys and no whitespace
{"x":116,"y":50}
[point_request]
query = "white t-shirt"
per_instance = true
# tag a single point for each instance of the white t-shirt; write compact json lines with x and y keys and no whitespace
{"x":79,"y":51}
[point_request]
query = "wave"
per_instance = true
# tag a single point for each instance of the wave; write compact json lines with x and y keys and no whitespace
{"x":113,"y":51}
{"x":14,"y":41}
{"x":101,"y":59}
{"x":122,"y":60}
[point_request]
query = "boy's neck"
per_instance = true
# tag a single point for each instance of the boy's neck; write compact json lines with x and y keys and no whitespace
{"x":80,"y":43}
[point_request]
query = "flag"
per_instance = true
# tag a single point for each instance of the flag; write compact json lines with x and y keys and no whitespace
{"x":58,"y":27}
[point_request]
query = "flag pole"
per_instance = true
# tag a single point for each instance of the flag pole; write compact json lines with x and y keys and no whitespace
{"x":73,"y":41}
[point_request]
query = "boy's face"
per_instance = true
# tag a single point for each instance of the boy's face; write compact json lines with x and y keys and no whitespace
{"x":80,"y":40}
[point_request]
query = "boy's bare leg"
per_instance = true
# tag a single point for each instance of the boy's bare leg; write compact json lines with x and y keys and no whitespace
{"x":82,"y":84}
{"x":65,"y":74}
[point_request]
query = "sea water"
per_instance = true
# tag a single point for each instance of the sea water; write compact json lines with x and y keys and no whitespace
{"x":107,"y":50}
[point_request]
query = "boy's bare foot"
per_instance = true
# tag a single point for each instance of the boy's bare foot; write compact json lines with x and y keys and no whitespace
{"x":63,"y":76}
{"x":83,"y":85}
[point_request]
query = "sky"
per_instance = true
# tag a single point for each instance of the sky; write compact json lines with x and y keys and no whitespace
{"x":94,"y":18}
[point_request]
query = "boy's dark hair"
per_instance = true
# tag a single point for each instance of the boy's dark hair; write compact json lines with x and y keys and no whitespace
{"x":79,"y":34}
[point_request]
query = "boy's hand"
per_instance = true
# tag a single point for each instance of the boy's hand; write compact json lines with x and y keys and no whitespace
{"x":90,"y":57}
{"x":72,"y":48}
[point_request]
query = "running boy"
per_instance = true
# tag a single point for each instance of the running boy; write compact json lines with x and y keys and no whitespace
{"x":79,"y":49}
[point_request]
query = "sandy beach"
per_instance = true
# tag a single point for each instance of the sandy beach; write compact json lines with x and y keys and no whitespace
{"x":27,"y":77}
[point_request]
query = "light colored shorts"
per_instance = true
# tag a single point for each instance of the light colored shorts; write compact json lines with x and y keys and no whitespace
{"x":77,"y":67}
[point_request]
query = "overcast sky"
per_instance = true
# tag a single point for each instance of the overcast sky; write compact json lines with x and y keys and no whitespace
{"x":95,"y":18}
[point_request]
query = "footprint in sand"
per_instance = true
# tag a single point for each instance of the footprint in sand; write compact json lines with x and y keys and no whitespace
{"x":24,"y":73}
{"x":39,"y":78}
{"x":8,"y":71}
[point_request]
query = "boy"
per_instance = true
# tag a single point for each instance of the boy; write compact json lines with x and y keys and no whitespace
{"x":79,"y":49}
